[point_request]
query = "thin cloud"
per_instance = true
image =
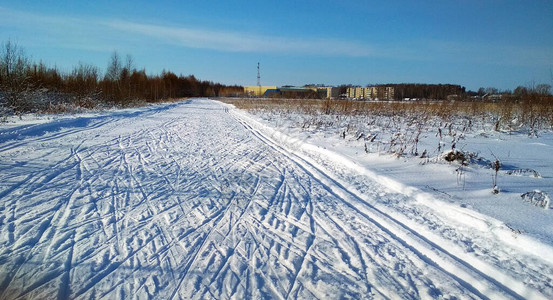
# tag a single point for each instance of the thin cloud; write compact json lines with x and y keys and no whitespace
{"x":242,"y":42}
{"x":63,"y":32}
{"x":490,"y":53}
{"x":109,"y":32}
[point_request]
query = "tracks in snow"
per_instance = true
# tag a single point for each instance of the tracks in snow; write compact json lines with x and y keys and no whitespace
{"x":193,"y":202}
{"x":482,"y":279}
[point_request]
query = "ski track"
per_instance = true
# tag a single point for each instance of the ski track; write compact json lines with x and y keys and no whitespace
{"x":192,"y":201}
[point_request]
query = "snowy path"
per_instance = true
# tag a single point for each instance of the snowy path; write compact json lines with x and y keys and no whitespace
{"x":196,"y":201}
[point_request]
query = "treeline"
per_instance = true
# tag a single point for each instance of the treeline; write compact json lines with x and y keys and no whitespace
{"x":542,"y":89}
{"x":426,"y":91}
{"x":532,"y":92}
{"x":27,"y":86}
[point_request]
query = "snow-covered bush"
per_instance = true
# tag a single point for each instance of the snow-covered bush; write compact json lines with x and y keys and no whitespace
{"x":524,"y":172}
{"x":455,"y":155}
{"x":537,"y":198}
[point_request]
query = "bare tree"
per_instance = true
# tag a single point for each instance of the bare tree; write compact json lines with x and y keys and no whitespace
{"x":14,"y":76}
{"x":14,"y":64}
{"x":543,"y":89}
{"x":114,"y":67}
{"x":83,"y":80}
{"x":129,"y":63}
{"x":520,"y":91}
{"x":491,"y":90}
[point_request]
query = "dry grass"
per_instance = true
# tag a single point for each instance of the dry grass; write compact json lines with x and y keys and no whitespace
{"x":534,"y":114}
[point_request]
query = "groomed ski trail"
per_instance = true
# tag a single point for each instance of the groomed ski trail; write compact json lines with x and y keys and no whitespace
{"x":193,"y":201}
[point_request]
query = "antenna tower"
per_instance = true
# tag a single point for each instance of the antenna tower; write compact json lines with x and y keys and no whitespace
{"x":258,"y":76}
{"x":258,"y":80}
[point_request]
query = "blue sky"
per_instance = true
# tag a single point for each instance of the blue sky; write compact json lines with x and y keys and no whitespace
{"x":476,"y":43}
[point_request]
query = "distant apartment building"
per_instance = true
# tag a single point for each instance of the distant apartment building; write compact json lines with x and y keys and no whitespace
{"x":350,"y":92}
{"x":371,"y":93}
{"x":356,"y":93}
{"x":328,"y":92}
{"x":389,"y":93}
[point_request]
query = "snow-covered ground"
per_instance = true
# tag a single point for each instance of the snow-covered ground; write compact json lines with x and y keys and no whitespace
{"x":200,"y":200}
{"x":386,"y":146}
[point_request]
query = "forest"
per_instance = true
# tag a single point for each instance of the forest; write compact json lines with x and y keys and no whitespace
{"x":28,"y":86}
{"x":426,"y":91}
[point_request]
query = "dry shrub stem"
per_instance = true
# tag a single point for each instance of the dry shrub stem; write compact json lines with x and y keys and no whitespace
{"x":533,"y":113}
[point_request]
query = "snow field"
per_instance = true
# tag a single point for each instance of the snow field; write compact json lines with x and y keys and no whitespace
{"x":390,"y":146}
{"x":426,"y":223}
{"x":199,"y":200}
